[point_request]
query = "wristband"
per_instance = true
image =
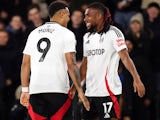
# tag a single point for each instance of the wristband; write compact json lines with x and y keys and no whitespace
{"x":25,"y":89}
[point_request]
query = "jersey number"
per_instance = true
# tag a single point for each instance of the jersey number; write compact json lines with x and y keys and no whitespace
{"x":45,"y":50}
{"x":107,"y":109}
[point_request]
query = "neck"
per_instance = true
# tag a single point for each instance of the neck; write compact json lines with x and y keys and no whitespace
{"x":59,"y":21}
{"x":99,"y":27}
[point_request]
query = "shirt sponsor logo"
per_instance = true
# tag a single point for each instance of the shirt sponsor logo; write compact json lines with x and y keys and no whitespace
{"x":95,"y":52}
{"x":120,"y":42}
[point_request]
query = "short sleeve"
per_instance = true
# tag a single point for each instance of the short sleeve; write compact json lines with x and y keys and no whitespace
{"x":84,"y":46}
{"x":69,"y":43}
{"x":27,"y":50}
{"x":118,"y":40}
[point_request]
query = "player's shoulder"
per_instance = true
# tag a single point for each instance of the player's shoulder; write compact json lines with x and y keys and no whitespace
{"x":116,"y":31}
{"x":67,"y":32}
{"x":86,"y":35}
{"x":34,"y":32}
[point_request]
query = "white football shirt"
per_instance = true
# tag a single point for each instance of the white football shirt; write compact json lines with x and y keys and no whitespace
{"x":47,"y":46}
{"x":102,"y":55}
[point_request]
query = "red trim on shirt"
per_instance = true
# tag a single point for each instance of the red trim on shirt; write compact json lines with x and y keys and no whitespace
{"x":113,"y":97}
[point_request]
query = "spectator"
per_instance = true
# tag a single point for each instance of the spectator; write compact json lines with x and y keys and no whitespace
{"x":125,"y":9}
{"x":77,"y":26}
{"x":4,"y":16}
{"x":35,"y":19}
{"x":7,"y":63}
{"x":140,"y":36}
{"x":138,"y":41}
{"x":152,"y":21}
{"x":43,"y":6}
{"x":15,"y":29}
{"x":2,"y":25}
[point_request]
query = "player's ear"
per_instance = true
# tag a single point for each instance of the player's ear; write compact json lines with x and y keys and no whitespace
{"x":61,"y":13}
{"x":99,"y":16}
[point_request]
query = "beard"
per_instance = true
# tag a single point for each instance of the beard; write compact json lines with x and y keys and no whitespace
{"x":91,"y":28}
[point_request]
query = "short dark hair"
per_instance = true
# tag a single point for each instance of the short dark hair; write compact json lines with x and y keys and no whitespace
{"x":105,"y":13}
{"x":33,"y":6}
{"x":55,"y":7}
{"x":154,"y":4}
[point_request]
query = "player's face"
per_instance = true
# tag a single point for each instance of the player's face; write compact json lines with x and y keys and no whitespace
{"x":91,"y":18}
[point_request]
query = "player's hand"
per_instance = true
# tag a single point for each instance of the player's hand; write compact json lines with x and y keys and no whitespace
{"x":24,"y":100}
{"x":84,"y":100}
{"x":139,"y":88}
{"x":72,"y":92}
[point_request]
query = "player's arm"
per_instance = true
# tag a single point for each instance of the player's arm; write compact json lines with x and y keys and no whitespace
{"x":83,"y":69}
{"x":25,"y":74}
{"x":25,"y":71}
{"x":128,"y":63}
{"x":75,"y":76}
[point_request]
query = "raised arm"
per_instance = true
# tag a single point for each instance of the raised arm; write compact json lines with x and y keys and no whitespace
{"x":75,"y":76}
{"x":128,"y":63}
{"x":25,"y":74}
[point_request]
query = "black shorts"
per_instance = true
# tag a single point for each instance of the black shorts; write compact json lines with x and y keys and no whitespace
{"x":103,"y":108}
{"x":50,"y":106}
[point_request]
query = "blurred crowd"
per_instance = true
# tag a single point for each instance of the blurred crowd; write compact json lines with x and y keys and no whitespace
{"x":138,"y":19}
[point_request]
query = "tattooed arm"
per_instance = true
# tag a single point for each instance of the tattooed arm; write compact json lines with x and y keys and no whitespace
{"x":75,"y":76}
{"x":73,"y":70}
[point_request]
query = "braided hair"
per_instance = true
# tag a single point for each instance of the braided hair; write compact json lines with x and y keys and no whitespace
{"x":106,"y":15}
